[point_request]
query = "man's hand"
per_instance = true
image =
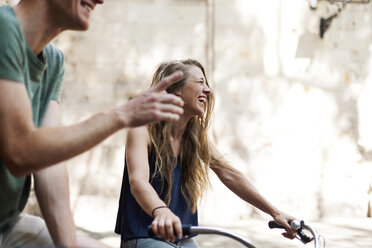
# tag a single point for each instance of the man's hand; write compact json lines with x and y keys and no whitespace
{"x":152,"y":105}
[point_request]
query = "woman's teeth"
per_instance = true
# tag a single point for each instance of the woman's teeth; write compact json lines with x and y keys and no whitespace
{"x":87,"y":7}
{"x":202,"y":100}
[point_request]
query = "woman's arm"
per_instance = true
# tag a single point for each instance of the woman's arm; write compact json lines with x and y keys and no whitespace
{"x":165,"y":222}
{"x":242,"y":187}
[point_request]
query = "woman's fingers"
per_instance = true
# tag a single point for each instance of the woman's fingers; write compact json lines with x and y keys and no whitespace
{"x":161,"y":229}
{"x":164,"y":228}
{"x":154,"y":227}
{"x":282,"y":220}
{"x":288,"y":236}
{"x":288,"y":228}
{"x":178,"y":228}
{"x":167,"y":226}
{"x":169,"y":230}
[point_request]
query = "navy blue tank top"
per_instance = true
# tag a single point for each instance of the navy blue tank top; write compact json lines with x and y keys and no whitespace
{"x":132,"y":221}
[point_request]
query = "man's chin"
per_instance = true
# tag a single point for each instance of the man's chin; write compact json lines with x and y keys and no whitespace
{"x":81,"y":25}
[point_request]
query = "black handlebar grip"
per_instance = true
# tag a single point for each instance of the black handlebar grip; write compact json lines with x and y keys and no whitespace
{"x":150,"y":232}
{"x":296,"y":225}
{"x":186,"y":230}
{"x":272,"y":225}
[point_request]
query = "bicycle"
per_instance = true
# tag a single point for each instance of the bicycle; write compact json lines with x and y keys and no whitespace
{"x":297,"y":225}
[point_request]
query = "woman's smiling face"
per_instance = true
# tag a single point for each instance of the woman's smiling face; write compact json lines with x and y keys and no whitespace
{"x":195,"y":92}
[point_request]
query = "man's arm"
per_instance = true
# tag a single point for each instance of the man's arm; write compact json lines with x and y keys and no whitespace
{"x":52,"y":192}
{"x":26,"y":149}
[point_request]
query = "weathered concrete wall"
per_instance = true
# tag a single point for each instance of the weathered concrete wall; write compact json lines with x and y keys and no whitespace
{"x":292,"y":109}
{"x":296,"y":104}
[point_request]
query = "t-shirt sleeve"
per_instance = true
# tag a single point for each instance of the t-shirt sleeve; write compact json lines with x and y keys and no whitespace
{"x":57,"y":91}
{"x":11,"y":51}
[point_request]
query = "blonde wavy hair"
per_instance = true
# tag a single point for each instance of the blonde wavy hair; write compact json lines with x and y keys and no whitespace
{"x":196,"y":157}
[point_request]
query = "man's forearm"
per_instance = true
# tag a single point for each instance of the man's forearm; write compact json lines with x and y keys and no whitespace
{"x":50,"y":145}
{"x":52,"y":191}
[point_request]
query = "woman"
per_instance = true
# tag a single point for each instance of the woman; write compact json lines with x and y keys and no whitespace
{"x":167,"y":167}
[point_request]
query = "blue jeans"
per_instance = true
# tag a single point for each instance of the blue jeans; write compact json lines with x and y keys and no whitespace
{"x":154,"y":243}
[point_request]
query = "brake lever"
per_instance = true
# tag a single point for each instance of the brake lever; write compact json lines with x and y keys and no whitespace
{"x":296,"y":226}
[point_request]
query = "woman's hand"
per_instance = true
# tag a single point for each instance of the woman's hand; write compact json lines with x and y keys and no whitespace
{"x":166,"y":224}
{"x":282,"y":219}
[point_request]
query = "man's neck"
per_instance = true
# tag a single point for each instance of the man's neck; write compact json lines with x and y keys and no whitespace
{"x":37,"y":27}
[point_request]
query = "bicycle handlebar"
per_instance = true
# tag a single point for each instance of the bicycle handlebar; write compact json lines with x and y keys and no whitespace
{"x":299,"y":226}
{"x":191,"y":230}
{"x":296,"y":225}
{"x":186,"y":230}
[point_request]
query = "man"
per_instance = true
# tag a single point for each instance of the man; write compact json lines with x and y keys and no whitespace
{"x":31,"y":140}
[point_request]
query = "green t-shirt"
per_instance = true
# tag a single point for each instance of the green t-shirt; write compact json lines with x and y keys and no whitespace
{"x":42,"y":77}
